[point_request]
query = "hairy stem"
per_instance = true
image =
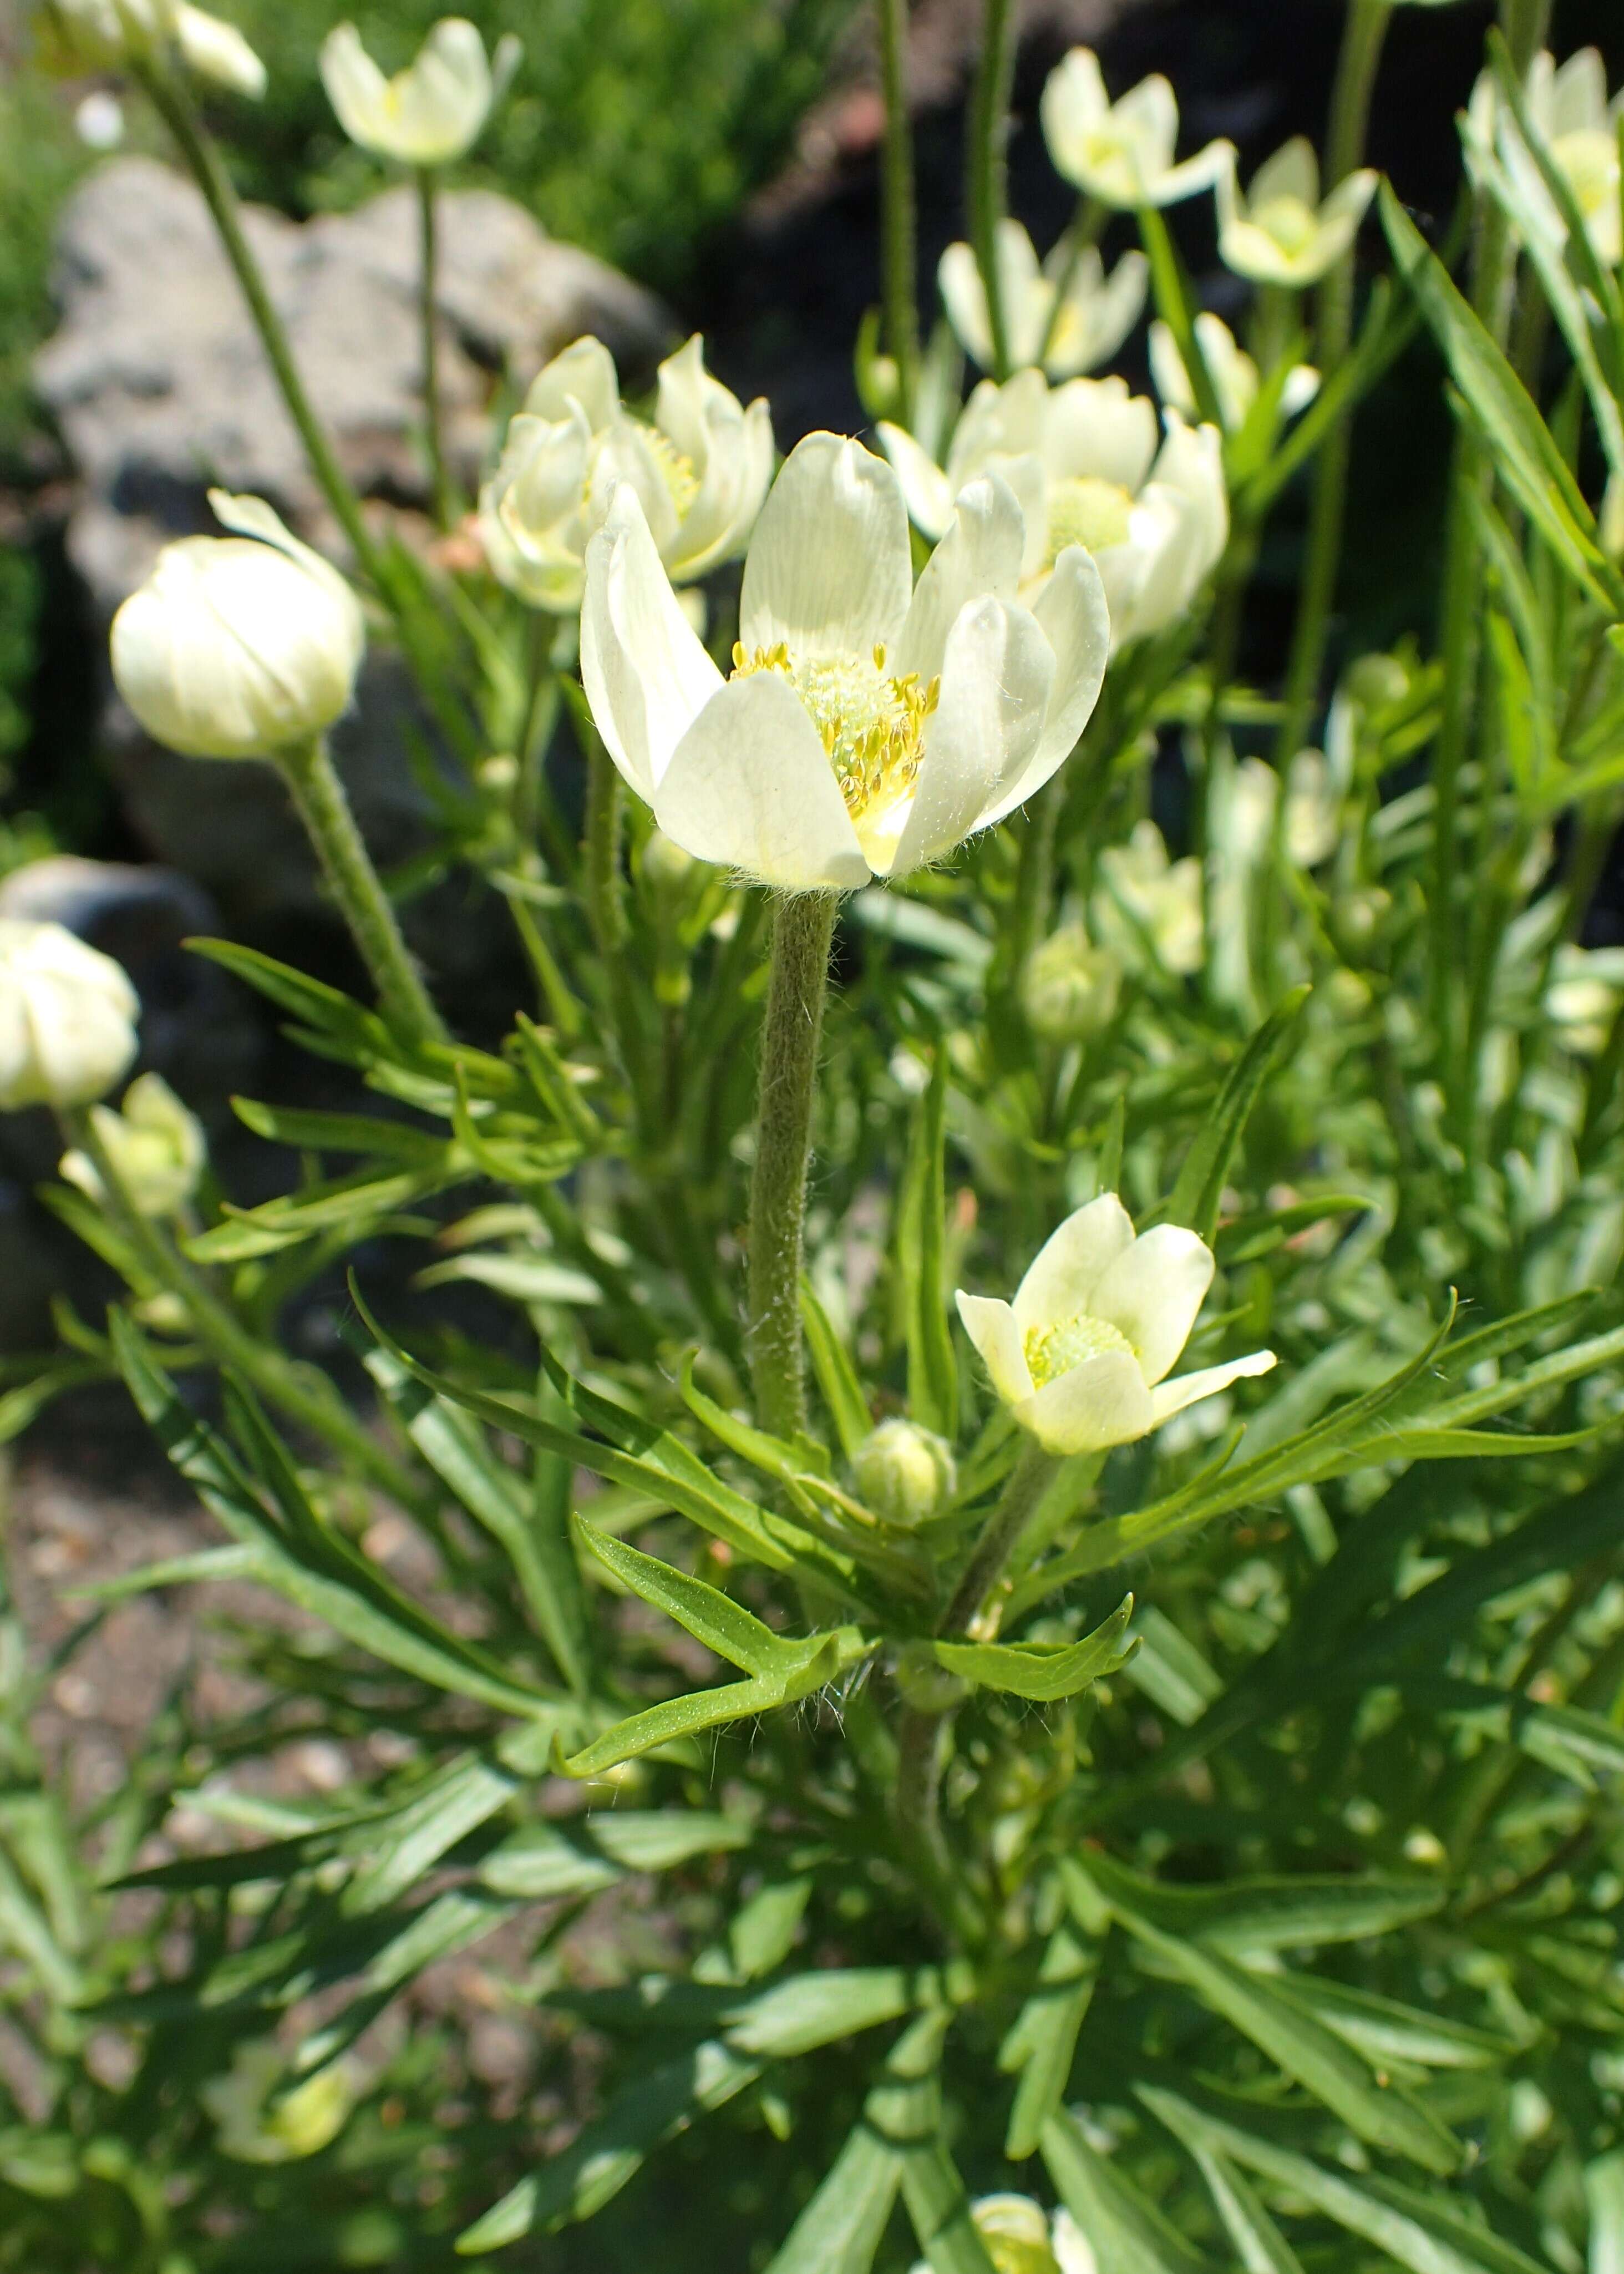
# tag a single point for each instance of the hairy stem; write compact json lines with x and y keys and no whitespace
{"x":986,"y":187}
{"x":313,"y":781}
{"x":1028,"y":1482}
{"x":1362,"y":37}
{"x":798,"y":981}
{"x":898,"y":246}
{"x":428,"y":288}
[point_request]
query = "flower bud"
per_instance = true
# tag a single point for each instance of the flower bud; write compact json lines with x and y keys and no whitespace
{"x":67,"y":1018}
{"x":1068,"y":988}
{"x":254,"y":2126}
{"x":238,"y":647}
{"x":1376,"y":682}
{"x":156,"y":1146}
{"x":906,"y":1474}
{"x":81,"y":35}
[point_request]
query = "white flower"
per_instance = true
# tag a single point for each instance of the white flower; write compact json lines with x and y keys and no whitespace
{"x":867,"y":725}
{"x":429,"y":114}
{"x":1233,"y":373}
{"x":1569,"y":112}
{"x":1245,"y":815}
{"x":700,"y":472}
{"x":67,"y":1018}
{"x":100,"y":35}
{"x":1082,"y":460}
{"x":1094,"y":317}
{"x":1081,"y":1355}
{"x":1121,"y":153}
{"x":1019,"y":2239}
{"x":237,"y":647}
{"x":1279,"y":232}
{"x":1069,"y":988}
{"x":156,"y":1146}
{"x":1148,"y":899}
{"x":1582,"y":998}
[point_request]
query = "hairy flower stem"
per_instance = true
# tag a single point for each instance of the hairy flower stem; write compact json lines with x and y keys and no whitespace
{"x":1364,"y":34}
{"x":899,"y":254}
{"x":986,"y":187}
{"x":314,"y":1406}
{"x":798,"y":980}
{"x":313,"y":781}
{"x":428,"y":289}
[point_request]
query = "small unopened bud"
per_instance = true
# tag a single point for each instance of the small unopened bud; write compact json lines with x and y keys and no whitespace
{"x":1376,"y":682}
{"x":906,"y":1474}
{"x":67,"y":1018}
{"x":1069,"y":989}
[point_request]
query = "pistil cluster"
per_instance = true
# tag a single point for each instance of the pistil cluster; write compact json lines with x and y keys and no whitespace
{"x":1054,"y":1351}
{"x":871,"y":725}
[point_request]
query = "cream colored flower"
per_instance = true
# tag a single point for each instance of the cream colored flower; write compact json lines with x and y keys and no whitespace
{"x":1095,"y":314}
{"x":701,"y":472}
{"x":251,"y":2130}
{"x":1069,"y":988}
{"x":868,"y":725}
{"x":432,"y":112}
{"x":156,"y":1146}
{"x":67,"y":1018}
{"x":237,"y":647}
{"x":1233,"y":373}
{"x":1587,"y":986}
{"x":1569,"y":112}
{"x":80,"y":35}
{"x":1122,"y":152}
{"x":1148,"y":900}
{"x":1081,"y":1356}
{"x":1082,"y":460}
{"x":1018,"y":2237}
{"x":1279,"y":232}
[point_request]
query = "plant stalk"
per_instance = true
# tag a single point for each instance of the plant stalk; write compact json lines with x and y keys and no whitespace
{"x":987,"y":183}
{"x":428,"y":291}
{"x":605,"y":813}
{"x":798,"y":981}
{"x":1364,"y":33}
{"x":1028,"y":1482}
{"x":313,"y":781}
{"x":899,"y":249}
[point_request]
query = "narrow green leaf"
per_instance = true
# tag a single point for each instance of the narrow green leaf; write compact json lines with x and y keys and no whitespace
{"x":1239,"y":1916}
{"x":710,"y":1616}
{"x":837,"y":1376}
{"x":1197,"y":1197}
{"x":709,"y":1709}
{"x":1263,"y":2248}
{"x":1128,"y":2234}
{"x":840,"y":2229}
{"x":1042,"y":2042}
{"x":1043,"y":1671}
{"x":933,"y":1368}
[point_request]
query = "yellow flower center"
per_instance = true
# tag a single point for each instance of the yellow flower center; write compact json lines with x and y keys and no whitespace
{"x":1590,"y":159}
{"x":1086,"y":511}
{"x":872,"y":726}
{"x":1054,"y":1351}
{"x":1291,"y":224}
{"x":675,"y":467}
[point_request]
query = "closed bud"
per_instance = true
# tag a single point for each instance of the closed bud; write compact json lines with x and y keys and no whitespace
{"x":238,"y":647}
{"x":157,"y":1149}
{"x":906,"y":1474}
{"x":67,"y":1018}
{"x":1375,"y":682}
{"x":80,"y":35}
{"x":1069,"y":990}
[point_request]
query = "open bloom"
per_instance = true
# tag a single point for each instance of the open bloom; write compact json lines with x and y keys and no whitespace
{"x":700,"y":472}
{"x":1569,"y":112}
{"x":1083,"y":461}
{"x":867,"y":725}
{"x":1081,"y":1356}
{"x":1019,"y":2239}
{"x":156,"y":1146}
{"x":1279,"y":232}
{"x":67,"y":1017}
{"x":432,"y":112}
{"x":237,"y":647}
{"x":1147,"y":901}
{"x":1234,"y":375}
{"x":1066,"y":317}
{"x":1122,"y":152}
{"x":81,"y":35}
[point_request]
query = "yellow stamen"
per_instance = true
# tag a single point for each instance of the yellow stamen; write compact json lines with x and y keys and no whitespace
{"x":871,"y":725}
{"x":1054,"y":1351}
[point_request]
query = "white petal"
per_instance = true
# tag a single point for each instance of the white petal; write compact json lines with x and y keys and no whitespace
{"x":1343,"y":212}
{"x":997,"y":675}
{"x":1102,"y":1402}
{"x":1170,"y":1397}
{"x":583,"y":374}
{"x":1292,"y":172}
{"x":623,"y":454}
{"x":1096,"y":428}
{"x":1061,"y":1279}
{"x":354,"y":84}
{"x":1073,"y":2251}
{"x":1073,"y":617}
{"x":1147,"y":118}
{"x":1578,"y":98}
{"x":958,"y":280}
{"x":750,"y":788}
{"x":1167,"y":374}
{"x":992,"y":1326}
{"x":829,"y":571}
{"x":1072,"y":104}
{"x":926,"y":489}
{"x":1204,"y":171}
{"x":442,"y":102}
{"x":1152,"y":1293}
{"x":980,"y":552}
{"x":646,"y":675}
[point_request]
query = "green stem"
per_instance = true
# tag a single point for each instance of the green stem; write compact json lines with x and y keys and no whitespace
{"x":1173,"y":306}
{"x":1028,"y":1481}
{"x":428,"y":291}
{"x":898,"y":252}
{"x":921,"y":1757}
{"x":322,"y":1412}
{"x":604,"y":811}
{"x":1364,"y":33}
{"x":986,"y":188}
{"x":313,"y":781}
{"x":798,"y":981}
